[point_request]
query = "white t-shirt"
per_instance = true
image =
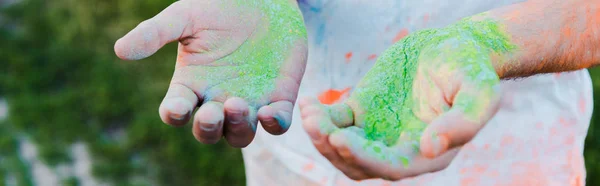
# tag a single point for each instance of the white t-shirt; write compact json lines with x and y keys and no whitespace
{"x":535,"y":139}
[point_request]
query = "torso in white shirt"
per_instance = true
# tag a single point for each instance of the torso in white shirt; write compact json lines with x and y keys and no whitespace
{"x":543,"y":118}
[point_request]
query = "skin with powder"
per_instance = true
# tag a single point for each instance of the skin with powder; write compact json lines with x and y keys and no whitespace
{"x":240,"y":61}
{"x":434,"y":90}
{"x":390,"y":108}
{"x":384,"y":118}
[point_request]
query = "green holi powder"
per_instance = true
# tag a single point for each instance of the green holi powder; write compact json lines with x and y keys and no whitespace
{"x":257,"y":62}
{"x":404,"y":160}
{"x":385,"y":93}
{"x":376,"y":149}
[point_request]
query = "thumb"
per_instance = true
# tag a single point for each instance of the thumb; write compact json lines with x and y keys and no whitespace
{"x":152,"y":34}
{"x":471,"y":110}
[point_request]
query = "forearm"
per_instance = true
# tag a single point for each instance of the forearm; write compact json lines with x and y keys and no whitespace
{"x":550,"y":36}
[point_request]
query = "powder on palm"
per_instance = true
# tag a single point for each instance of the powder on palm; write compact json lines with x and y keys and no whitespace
{"x":385,"y":93}
{"x":252,"y":69}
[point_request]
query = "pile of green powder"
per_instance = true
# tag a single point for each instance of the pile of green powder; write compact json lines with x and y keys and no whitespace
{"x":385,"y":93}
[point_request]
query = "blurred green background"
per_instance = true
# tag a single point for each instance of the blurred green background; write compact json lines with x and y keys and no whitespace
{"x":64,"y":85}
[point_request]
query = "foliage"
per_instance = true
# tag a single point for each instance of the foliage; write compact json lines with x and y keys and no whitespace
{"x":592,"y":142}
{"x":64,"y":85}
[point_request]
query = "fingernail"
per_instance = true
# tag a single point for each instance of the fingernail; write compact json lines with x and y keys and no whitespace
{"x":236,"y":117}
{"x":178,"y":108}
{"x":209,"y":126}
{"x":440,"y":143}
{"x":280,"y":120}
{"x":177,"y":116}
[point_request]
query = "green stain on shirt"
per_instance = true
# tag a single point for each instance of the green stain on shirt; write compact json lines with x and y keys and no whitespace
{"x":385,"y":93}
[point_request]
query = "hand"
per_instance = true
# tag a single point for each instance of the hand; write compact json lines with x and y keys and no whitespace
{"x":432,"y":92}
{"x":238,"y":60}
{"x":456,"y":91}
{"x":349,"y":148}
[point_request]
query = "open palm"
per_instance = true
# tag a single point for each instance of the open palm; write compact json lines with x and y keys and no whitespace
{"x":240,"y":61}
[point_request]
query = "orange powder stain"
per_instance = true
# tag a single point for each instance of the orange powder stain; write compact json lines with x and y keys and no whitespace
{"x":323,"y":181}
{"x":308,"y":167}
{"x":425,"y":18}
{"x":493,"y":173}
{"x":348,"y":56}
{"x":332,"y":96}
{"x":570,"y":140}
{"x":553,"y":131}
{"x":535,"y":153}
{"x":539,"y":125}
{"x":372,"y":57}
{"x":385,"y":183}
{"x":557,"y":75}
{"x":469,"y":181}
{"x":562,"y":120}
{"x":582,"y":105}
{"x":565,"y":123}
{"x":499,"y":155}
{"x":576,"y":181}
{"x":474,"y":169}
{"x":480,"y":168}
{"x":506,"y":140}
{"x":340,"y":183}
{"x":403,"y":33}
{"x":576,"y":165}
{"x":533,"y":175}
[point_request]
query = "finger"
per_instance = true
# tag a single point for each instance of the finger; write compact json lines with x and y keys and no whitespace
{"x":341,"y":115}
{"x":374,"y":157}
{"x":177,"y":106}
{"x":381,"y":161}
{"x":312,"y":108}
{"x":240,"y":127}
{"x":276,"y":118}
{"x":317,"y":123}
{"x":429,"y":100}
{"x":338,"y":139}
{"x":315,"y":119}
{"x":208,"y":122}
{"x":152,"y":34}
{"x":469,"y":113}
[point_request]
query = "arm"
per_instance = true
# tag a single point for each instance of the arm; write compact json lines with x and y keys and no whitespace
{"x":524,"y":39}
{"x":445,"y":83}
{"x":551,"y":36}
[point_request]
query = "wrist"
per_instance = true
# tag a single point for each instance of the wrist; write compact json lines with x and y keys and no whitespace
{"x":492,"y":37}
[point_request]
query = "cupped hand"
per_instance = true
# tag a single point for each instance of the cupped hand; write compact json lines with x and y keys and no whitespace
{"x":240,"y":61}
{"x":425,"y":97}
